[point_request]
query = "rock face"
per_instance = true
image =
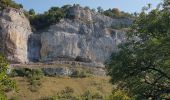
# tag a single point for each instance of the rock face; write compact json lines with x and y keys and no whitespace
{"x":87,"y":38}
{"x":14,"y":32}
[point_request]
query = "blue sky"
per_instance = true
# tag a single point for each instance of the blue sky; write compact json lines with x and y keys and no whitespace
{"x":124,"y":5}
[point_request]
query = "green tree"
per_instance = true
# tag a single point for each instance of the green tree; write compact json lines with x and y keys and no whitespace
{"x":6,"y":84}
{"x":9,"y":3}
{"x":141,"y":66}
{"x":100,"y":9}
{"x":52,"y":16}
{"x":31,"y":12}
{"x":116,"y":11}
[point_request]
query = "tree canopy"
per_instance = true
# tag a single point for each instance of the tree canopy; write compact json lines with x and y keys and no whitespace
{"x":9,"y":3}
{"x":52,"y":16}
{"x":141,"y":66}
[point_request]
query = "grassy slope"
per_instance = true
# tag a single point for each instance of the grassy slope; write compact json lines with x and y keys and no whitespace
{"x":52,"y":85}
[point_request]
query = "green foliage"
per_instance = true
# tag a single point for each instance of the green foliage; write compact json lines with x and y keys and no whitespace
{"x":116,"y":13}
{"x":120,"y":26}
{"x":6,"y":84}
{"x":9,"y":3}
{"x":142,"y":65}
{"x":26,"y":72}
{"x":65,"y":94}
{"x":31,"y":12}
{"x":34,"y":77}
{"x":80,"y":74}
{"x":52,"y":16}
{"x":88,"y":95}
{"x":118,"y":95}
{"x":100,"y":9}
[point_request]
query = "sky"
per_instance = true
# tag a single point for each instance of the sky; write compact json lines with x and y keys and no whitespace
{"x":130,"y":6}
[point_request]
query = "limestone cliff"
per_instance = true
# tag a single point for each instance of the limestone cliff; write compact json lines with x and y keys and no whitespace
{"x":14,"y":32}
{"x":88,"y":37}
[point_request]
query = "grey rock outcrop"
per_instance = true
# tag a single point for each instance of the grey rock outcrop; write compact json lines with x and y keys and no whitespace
{"x":87,"y":38}
{"x":14,"y":32}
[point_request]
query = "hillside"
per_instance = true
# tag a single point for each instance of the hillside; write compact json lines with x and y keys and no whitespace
{"x":70,"y":52}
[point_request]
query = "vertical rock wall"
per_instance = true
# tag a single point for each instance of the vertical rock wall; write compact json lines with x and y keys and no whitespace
{"x":14,"y":32}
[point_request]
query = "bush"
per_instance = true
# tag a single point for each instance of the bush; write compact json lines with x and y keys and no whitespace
{"x":115,"y":13}
{"x":118,"y":95}
{"x":9,"y":3}
{"x":67,"y":93}
{"x":52,"y":16}
{"x":80,"y":74}
{"x":6,"y":84}
{"x":87,"y":95}
{"x":34,"y":77}
{"x":26,"y":72}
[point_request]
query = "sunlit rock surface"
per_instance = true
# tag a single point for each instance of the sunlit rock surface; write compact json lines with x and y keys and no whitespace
{"x":87,"y":37}
{"x":14,"y":32}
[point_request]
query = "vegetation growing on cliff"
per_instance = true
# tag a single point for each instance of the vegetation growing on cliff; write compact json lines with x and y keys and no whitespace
{"x":52,"y":16}
{"x":9,"y":3}
{"x":116,"y":13}
{"x":55,"y":14}
{"x":142,"y":65}
{"x":6,"y":84}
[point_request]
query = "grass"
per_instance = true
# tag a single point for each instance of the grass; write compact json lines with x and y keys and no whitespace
{"x":51,"y":86}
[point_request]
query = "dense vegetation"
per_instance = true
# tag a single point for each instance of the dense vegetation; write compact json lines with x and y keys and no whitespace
{"x":6,"y":84}
{"x":116,"y":13}
{"x":142,"y":65}
{"x":52,"y":16}
{"x":9,"y":3}
{"x":55,"y":14}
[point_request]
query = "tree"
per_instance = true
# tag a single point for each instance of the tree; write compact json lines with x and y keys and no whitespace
{"x":100,"y":9}
{"x":6,"y":84}
{"x":31,"y":12}
{"x":52,"y":16}
{"x":116,"y":11}
{"x":9,"y":3}
{"x":141,"y":67}
{"x":167,"y":4}
{"x":66,"y":7}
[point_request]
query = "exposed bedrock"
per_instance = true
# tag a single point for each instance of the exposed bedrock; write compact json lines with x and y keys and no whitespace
{"x":89,"y":37}
{"x":14,"y":32}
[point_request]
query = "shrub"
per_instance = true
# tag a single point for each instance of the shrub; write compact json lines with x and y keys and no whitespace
{"x":26,"y":72}
{"x":87,"y":95}
{"x":34,"y":76}
{"x":118,"y":95}
{"x":52,"y":16}
{"x":80,"y":74}
{"x":9,"y":3}
{"x":67,"y":93}
{"x":6,"y":84}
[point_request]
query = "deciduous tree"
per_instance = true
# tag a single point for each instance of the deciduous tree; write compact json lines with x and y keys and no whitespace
{"x":142,"y":65}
